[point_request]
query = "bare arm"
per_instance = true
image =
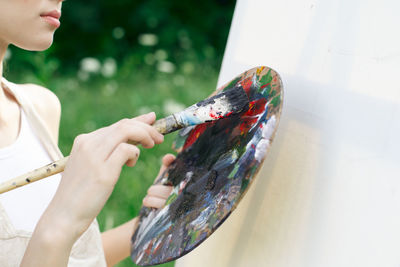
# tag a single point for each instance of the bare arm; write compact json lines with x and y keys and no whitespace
{"x":51,"y":242}
{"x":116,"y":242}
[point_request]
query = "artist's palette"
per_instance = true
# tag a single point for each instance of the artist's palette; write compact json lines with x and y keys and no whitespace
{"x":216,"y":163}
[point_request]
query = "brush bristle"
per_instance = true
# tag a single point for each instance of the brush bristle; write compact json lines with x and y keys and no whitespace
{"x":235,"y":99}
{"x":220,"y":106}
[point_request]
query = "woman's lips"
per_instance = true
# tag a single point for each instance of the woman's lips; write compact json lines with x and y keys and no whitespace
{"x":52,"y":18}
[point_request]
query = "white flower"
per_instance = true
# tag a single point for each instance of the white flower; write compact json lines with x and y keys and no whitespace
{"x":118,"y":32}
{"x":83,"y":75}
{"x":90,"y":65}
{"x":160,"y":55}
{"x":166,"y":66}
{"x":148,"y":39}
{"x":109,"y":67}
{"x":171,"y":106}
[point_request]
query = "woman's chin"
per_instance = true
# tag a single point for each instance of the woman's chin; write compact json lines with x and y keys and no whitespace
{"x":41,"y":46}
{"x":36,"y":45}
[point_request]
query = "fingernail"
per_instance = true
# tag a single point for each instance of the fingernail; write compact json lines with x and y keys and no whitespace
{"x":151,"y":113}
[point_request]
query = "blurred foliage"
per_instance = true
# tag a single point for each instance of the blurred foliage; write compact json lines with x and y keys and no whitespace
{"x":120,"y":58}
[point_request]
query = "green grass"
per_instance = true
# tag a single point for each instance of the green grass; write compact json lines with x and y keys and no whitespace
{"x":98,"y":102}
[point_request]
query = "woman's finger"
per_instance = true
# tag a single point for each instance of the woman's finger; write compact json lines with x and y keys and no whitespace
{"x":125,"y":153}
{"x":126,"y":130}
{"x":166,"y":161}
{"x":157,"y":137}
{"x":160,"y":191}
{"x":138,"y":131}
{"x":148,"y":118}
{"x":153,"y":202}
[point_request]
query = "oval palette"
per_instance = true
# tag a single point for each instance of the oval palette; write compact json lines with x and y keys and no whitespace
{"x":215,"y":165}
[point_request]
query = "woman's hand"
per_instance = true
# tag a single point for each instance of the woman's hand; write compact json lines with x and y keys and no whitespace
{"x":158,"y":194}
{"x":89,"y":178}
{"x":95,"y":165}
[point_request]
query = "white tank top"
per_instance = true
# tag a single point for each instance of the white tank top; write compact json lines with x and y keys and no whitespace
{"x":25,"y":205}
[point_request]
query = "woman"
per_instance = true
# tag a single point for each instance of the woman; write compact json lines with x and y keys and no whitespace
{"x":60,"y":211}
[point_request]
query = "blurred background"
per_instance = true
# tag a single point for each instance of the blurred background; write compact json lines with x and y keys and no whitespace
{"x":120,"y":58}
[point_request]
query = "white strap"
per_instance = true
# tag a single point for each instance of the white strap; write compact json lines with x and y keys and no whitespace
{"x":36,"y":121}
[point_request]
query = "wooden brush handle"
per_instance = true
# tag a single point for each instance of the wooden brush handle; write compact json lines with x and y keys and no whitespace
{"x":164,"y":126}
{"x":35,"y":175}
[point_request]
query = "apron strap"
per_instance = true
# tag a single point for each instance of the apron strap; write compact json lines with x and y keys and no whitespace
{"x":37,"y":123}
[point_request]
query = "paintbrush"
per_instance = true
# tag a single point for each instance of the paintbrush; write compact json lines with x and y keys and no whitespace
{"x":219,"y":106}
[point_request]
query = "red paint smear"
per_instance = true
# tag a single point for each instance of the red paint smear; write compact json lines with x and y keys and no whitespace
{"x":249,"y":118}
{"x":195,"y":133}
{"x":218,"y":116}
{"x":215,"y":116}
{"x":265,"y":85}
{"x":149,"y":247}
{"x":157,"y":248}
{"x":246,"y":84}
{"x":247,"y":124}
{"x":256,"y":107}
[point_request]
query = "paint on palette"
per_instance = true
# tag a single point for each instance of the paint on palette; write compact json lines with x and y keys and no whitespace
{"x":216,"y":163}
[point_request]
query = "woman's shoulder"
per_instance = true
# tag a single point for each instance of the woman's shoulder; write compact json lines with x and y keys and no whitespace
{"x":46,"y":104}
